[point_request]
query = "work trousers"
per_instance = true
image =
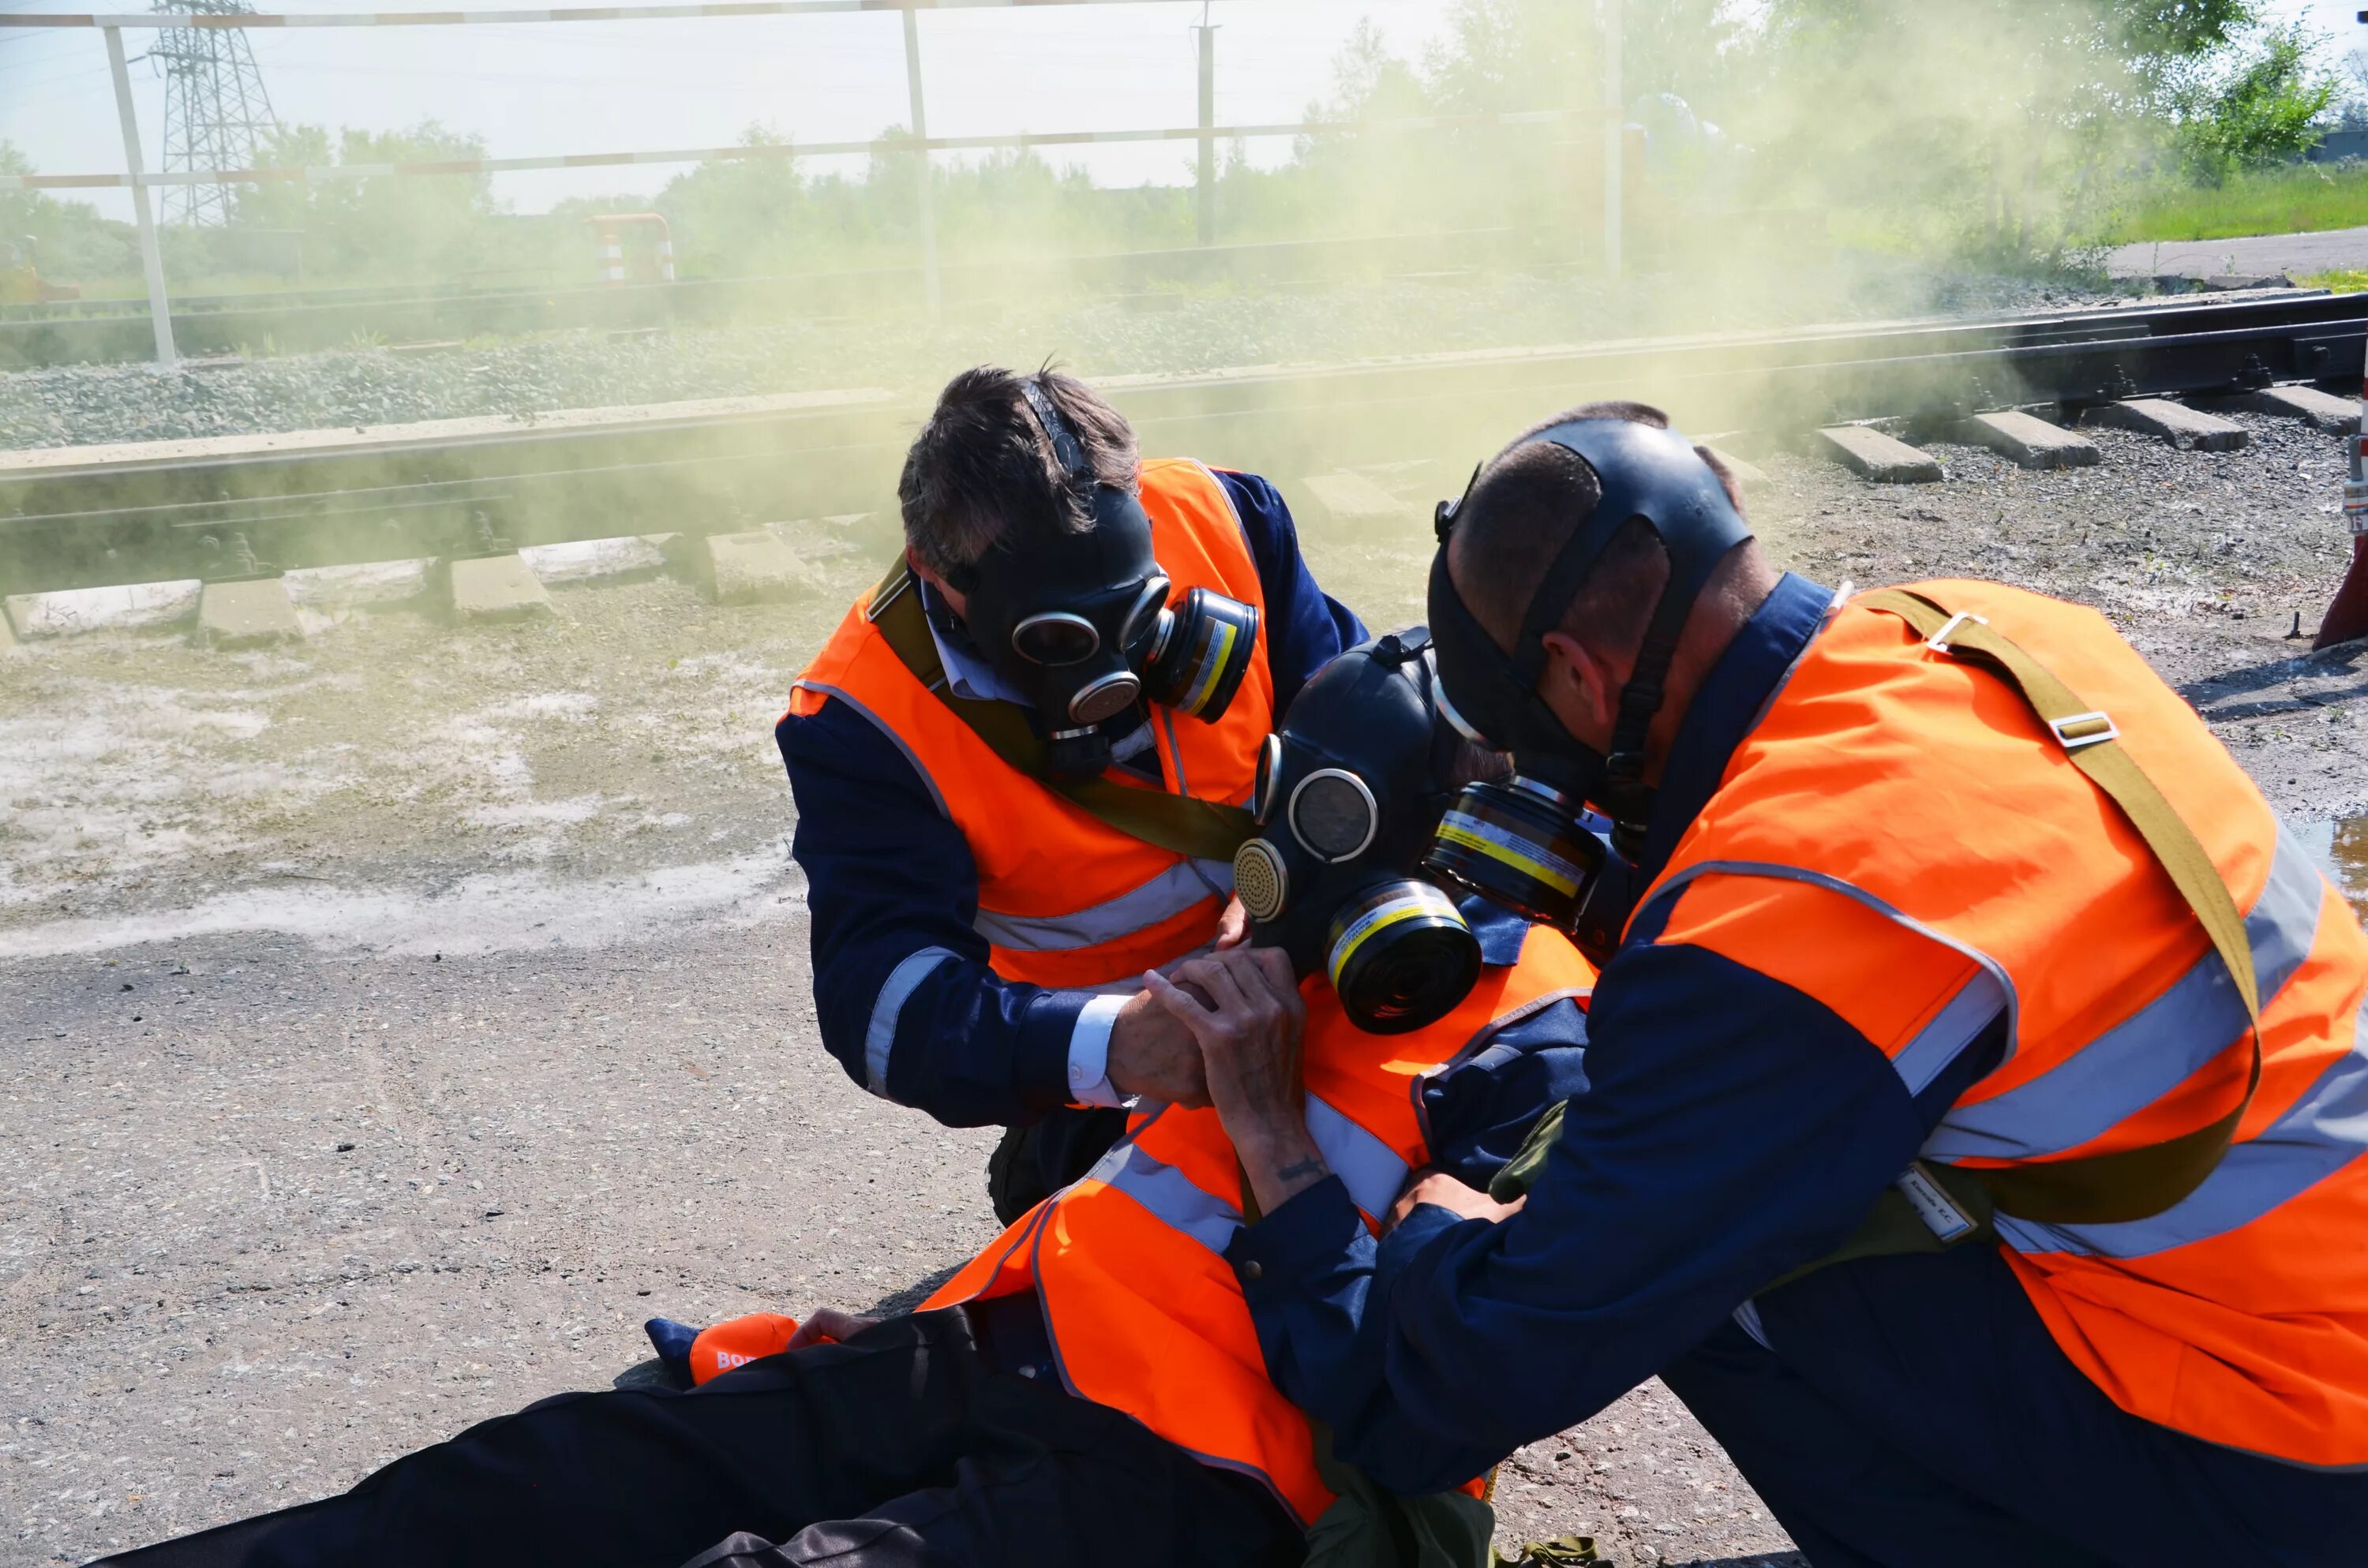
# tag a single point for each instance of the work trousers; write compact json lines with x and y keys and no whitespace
{"x":899,"y":1449}
{"x":1914,"y":1413}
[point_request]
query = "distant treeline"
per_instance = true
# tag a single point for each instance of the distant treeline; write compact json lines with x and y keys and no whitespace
{"x":2005,"y":132}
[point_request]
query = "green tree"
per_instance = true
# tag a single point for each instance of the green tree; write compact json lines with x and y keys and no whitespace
{"x":379,"y":226}
{"x":2004,"y":122}
{"x":2253,"y":105}
{"x":70,"y":242}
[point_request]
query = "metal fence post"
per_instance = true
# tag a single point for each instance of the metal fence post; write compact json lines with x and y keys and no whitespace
{"x":1207,"y":127}
{"x":1615,"y":152}
{"x":928,"y":209}
{"x":152,"y":258}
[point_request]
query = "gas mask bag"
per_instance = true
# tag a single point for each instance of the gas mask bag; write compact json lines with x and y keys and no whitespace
{"x":1347,"y":797}
{"x":1081,"y":621}
{"x":1518,"y":840}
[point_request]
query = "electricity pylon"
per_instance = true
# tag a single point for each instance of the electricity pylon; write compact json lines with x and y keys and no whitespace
{"x":216,"y":112}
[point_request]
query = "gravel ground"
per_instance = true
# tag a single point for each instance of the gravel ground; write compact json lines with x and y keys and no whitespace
{"x":509,"y":914}
{"x":1156,"y":333}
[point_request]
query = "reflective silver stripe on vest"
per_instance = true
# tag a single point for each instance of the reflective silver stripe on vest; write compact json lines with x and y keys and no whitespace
{"x":2155,"y":1049}
{"x":2325,"y":1131}
{"x":886,"y":729}
{"x":880,"y":1035}
{"x":1370,"y":1168}
{"x":1169,"y":1193}
{"x":1959,"y":1021}
{"x":1164,"y":897}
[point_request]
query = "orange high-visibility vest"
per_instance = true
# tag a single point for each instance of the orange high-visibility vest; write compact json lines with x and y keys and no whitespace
{"x":1901,"y":838}
{"x":1145,"y":1312}
{"x":1065,"y":899}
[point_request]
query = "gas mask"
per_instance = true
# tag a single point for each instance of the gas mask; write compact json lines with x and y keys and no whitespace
{"x":1519,"y":841}
{"x":1081,"y":623}
{"x":1347,"y":797}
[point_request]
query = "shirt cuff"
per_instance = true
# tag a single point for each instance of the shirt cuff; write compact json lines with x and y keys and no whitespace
{"x":1292,"y":1250}
{"x":1089,"y":1053}
{"x":1040,"y":1063}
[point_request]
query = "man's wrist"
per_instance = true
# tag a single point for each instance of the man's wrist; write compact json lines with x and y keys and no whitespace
{"x":1280,"y":1157}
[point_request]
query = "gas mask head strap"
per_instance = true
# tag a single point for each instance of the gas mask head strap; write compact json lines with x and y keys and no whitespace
{"x":1066,"y":451}
{"x":1645,"y":473}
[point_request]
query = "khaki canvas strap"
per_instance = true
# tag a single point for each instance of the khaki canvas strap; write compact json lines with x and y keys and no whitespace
{"x":2133,"y":1183}
{"x":1205,"y":830}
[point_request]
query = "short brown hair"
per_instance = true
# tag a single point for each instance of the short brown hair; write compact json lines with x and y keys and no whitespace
{"x":982,"y":460}
{"x":1525,"y":505}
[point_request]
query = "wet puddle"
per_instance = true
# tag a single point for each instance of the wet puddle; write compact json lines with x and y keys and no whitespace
{"x":2340,"y":847}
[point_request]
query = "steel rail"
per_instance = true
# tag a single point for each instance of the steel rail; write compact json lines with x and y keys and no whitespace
{"x":133,"y":515}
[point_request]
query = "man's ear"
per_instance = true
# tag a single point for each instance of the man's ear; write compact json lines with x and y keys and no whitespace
{"x":955,"y":601}
{"x":1582,"y":688}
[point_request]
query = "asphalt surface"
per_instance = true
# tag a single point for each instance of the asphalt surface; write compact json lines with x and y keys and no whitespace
{"x":395,"y":1022}
{"x":2249,"y":255}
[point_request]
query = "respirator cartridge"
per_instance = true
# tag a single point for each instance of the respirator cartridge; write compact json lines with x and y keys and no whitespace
{"x":1520,"y":843}
{"x":1201,"y":650}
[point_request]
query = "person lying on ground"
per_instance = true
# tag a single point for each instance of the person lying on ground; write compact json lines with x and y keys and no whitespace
{"x":1090,"y":1388}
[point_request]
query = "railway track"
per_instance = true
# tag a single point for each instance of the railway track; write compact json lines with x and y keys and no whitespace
{"x":249,"y":507}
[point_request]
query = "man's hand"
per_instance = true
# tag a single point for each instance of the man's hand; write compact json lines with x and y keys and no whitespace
{"x":828,"y":1325}
{"x":1444,"y":1191}
{"x":1249,"y":1032}
{"x":1233,"y":924}
{"x":1153,"y":1054}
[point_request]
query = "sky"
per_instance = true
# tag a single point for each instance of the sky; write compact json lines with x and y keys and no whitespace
{"x":594,"y":87}
{"x":590,"y":87}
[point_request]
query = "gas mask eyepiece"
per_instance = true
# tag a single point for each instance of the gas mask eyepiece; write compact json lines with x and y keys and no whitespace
{"x":1348,"y":796}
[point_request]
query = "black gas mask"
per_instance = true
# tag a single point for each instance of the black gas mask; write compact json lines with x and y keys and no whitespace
{"x":1347,"y":797}
{"x":1519,"y":841}
{"x":1081,"y":623}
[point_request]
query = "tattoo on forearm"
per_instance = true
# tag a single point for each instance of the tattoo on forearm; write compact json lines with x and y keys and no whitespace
{"x":1302,"y":1170}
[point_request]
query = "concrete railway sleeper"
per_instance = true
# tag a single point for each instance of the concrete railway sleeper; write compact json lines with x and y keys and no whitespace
{"x":224,"y":518}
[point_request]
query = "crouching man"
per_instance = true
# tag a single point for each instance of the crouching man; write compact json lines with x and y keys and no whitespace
{"x":1090,"y":1388}
{"x":1018,"y":762}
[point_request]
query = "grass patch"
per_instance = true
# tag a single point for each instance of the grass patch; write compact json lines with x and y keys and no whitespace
{"x":2293,"y":201}
{"x":2342,"y":280}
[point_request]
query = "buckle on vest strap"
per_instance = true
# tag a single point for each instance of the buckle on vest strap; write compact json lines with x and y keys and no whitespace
{"x":1938,"y":641}
{"x":2078,"y":730}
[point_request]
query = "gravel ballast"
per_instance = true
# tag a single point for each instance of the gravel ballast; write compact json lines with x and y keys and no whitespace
{"x":1166,"y":334}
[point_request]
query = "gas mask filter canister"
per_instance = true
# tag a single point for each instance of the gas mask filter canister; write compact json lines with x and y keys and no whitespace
{"x":1518,"y":841}
{"x":1348,"y":795}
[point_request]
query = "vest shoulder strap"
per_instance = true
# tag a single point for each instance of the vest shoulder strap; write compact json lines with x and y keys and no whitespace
{"x":2132,"y":1184}
{"x":1182,"y":825}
